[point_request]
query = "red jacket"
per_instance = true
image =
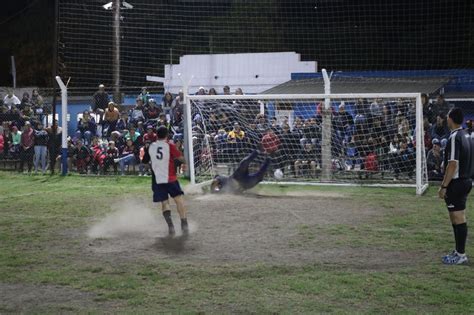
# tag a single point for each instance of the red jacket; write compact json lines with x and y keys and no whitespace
{"x":270,"y":142}
{"x":2,"y":143}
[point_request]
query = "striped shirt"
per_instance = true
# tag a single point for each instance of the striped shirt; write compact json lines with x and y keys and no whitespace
{"x":459,"y":148}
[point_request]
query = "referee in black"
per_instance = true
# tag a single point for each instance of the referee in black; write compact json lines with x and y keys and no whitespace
{"x":457,"y":182}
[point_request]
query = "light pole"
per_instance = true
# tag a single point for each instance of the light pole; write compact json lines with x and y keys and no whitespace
{"x":116,"y":6}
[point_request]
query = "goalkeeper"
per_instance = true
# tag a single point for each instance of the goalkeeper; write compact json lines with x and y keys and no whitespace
{"x":240,"y":180}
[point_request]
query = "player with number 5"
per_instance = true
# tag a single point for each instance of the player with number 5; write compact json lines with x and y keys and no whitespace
{"x":164,"y":180}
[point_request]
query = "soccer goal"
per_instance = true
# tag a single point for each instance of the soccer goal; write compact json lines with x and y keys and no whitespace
{"x":339,"y":139}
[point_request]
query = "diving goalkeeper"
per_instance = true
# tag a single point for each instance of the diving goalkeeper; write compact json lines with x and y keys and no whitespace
{"x":240,"y":180}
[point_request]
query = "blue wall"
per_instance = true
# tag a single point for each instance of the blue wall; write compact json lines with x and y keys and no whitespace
{"x":462,"y":80}
{"x":78,"y":107}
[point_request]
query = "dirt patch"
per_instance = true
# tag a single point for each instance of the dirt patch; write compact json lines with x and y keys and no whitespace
{"x":21,"y":298}
{"x":247,"y":228}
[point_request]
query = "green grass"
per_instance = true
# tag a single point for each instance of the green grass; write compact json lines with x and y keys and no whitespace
{"x":37,"y":211}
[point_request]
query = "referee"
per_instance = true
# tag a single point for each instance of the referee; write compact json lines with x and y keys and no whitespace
{"x":457,"y":182}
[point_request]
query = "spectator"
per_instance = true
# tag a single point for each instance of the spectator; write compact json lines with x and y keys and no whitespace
{"x":144,"y":167}
{"x":428,"y":110}
{"x":128,"y":156}
{"x":132,"y":135}
{"x":98,"y":156}
{"x":152,"y":111}
{"x":36,"y":99}
{"x":343,"y":123}
{"x":290,"y":145}
{"x":236,"y":134}
{"x":163,"y":121}
{"x":167,"y":103}
{"x":376,"y":107}
{"x":86,"y":128}
{"x":388,"y":120}
{"x":270,"y":142}
{"x":261,"y":122}
{"x":111,"y":118}
{"x":306,"y":158}
{"x":100,"y":101}
{"x":177,"y":108}
{"x":27,"y":147}
{"x":434,"y":160}
{"x":201,"y":91}
{"x":149,"y":136}
{"x":27,"y":114}
{"x":213,"y":123}
{"x":221,"y":144}
{"x":37,"y":104}
{"x":226,"y":90}
{"x":402,"y":123}
{"x":440,"y":129}
{"x":469,"y":124}
{"x":212,"y":91}
{"x":25,"y":100}
{"x":2,"y":143}
{"x":54,"y":145}
{"x":112,"y":153}
{"x":144,"y":95}
{"x":405,"y":160}
{"x":15,"y":143}
{"x":371,"y":162}
{"x":122,"y":123}
{"x":136,"y":114}
{"x":11,"y":100}
{"x":441,"y":106}
{"x":82,"y":156}
{"x":311,"y":132}
{"x":238,"y":91}
{"x":41,"y":147}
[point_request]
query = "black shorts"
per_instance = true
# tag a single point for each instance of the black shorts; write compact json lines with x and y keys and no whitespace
{"x":161,"y":191}
{"x":456,"y":194}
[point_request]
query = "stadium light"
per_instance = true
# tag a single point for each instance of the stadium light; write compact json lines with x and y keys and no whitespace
{"x":124,"y":6}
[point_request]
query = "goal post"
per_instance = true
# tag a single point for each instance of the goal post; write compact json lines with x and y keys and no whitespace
{"x":373,"y":139}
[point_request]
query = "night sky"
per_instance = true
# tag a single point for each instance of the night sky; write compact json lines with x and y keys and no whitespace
{"x":339,"y":34}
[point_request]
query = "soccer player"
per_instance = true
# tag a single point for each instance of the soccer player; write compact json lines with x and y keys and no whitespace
{"x":241,"y":180}
{"x":457,"y":182}
{"x":164,"y":181}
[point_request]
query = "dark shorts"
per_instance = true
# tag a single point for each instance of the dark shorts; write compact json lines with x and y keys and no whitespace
{"x":456,"y":194}
{"x":161,"y":191}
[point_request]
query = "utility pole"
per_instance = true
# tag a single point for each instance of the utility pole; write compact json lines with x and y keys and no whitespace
{"x":116,"y":51}
{"x":116,"y":6}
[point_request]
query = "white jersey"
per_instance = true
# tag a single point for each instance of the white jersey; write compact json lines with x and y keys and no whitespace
{"x":162,"y":156}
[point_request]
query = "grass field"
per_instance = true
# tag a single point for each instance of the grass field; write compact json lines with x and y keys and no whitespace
{"x":386,"y":260}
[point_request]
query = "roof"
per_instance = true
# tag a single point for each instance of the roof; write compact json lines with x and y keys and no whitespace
{"x":343,"y":85}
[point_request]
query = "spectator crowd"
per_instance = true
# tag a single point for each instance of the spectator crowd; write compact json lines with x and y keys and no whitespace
{"x":376,"y":136}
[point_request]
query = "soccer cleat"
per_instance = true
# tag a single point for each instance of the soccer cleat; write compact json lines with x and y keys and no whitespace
{"x":455,"y":259}
{"x":171,"y":231}
{"x":453,"y":253}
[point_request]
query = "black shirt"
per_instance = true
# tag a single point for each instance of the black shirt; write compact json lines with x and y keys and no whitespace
{"x":459,"y":148}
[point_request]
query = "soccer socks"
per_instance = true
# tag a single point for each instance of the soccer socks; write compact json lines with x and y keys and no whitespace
{"x":184,"y":225}
{"x":460,"y":236}
{"x":167,"y":215}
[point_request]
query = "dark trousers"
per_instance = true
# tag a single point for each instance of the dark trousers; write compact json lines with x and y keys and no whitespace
{"x":242,"y":175}
{"x":26,"y":156}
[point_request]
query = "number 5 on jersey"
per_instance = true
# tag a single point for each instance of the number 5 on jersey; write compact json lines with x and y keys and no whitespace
{"x":159,"y":153}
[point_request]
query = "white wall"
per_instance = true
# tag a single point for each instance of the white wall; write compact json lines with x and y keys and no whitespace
{"x":254,"y":73}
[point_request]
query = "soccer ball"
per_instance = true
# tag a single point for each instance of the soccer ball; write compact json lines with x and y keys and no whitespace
{"x":278,"y":174}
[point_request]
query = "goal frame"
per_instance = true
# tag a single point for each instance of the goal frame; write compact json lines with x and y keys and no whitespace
{"x":419,"y":130}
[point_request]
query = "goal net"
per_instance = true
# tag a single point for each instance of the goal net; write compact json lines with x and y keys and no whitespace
{"x":368,"y":139}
